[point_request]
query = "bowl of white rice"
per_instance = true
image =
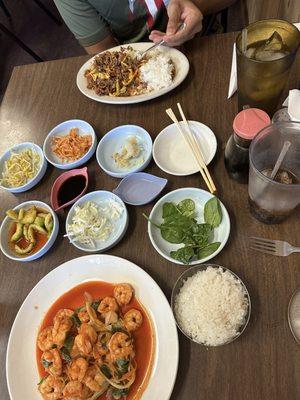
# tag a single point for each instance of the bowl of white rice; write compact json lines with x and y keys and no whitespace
{"x":211,"y":305}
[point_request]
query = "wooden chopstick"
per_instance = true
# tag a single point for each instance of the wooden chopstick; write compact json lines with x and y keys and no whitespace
{"x":189,"y":143}
{"x":196,"y":144}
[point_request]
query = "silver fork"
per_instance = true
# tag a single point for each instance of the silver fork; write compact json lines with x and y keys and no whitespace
{"x":275,"y":247}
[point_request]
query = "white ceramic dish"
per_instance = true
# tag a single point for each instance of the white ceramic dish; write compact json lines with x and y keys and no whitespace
{"x":21,"y":365}
{"x":41,"y":172}
{"x":181,"y":66}
{"x":63,"y":129}
{"x":172,"y":155}
{"x":119,"y":228}
{"x":113,"y":141}
{"x":4,"y":231}
{"x":200,"y":197}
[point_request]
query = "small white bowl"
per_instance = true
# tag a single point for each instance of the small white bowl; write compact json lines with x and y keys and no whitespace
{"x":200,"y":197}
{"x":172,"y":154}
{"x":119,"y":229}
{"x":84,"y":128}
{"x":4,"y":230}
{"x":33,"y":181}
{"x":113,"y":141}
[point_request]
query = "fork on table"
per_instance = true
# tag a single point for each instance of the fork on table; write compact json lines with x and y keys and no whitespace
{"x":275,"y":247}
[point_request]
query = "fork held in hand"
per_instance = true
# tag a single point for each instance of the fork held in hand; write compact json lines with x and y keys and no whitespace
{"x":275,"y":247}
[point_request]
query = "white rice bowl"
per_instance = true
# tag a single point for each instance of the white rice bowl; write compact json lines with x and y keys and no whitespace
{"x":211,"y":306}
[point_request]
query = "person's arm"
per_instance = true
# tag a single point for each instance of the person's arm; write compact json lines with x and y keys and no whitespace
{"x":190,"y":12}
{"x":89,"y":28}
{"x":104,"y":44}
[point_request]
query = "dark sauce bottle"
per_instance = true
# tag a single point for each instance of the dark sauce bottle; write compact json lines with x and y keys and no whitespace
{"x":246,"y":125}
{"x":70,"y":189}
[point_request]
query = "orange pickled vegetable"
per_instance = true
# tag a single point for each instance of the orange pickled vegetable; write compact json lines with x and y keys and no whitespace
{"x":72,"y":146}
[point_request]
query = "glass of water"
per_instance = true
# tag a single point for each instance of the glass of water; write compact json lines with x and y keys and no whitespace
{"x":263,"y":66}
{"x":273,"y":200}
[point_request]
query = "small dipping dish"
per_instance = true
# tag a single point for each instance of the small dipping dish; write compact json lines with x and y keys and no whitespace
{"x":68,"y":188}
{"x":172,"y":154}
{"x":140,"y":188}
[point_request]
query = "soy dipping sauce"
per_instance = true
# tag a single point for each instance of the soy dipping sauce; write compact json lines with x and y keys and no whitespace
{"x":70,"y":189}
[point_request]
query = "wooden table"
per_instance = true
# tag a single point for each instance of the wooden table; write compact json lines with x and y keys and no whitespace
{"x":265,"y":362}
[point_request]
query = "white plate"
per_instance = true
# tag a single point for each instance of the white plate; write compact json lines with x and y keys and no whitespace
{"x":200,"y":197}
{"x":84,"y":128}
{"x":21,"y":368}
{"x":113,"y":142}
{"x":172,"y":154}
{"x":181,"y":66}
{"x":119,"y":228}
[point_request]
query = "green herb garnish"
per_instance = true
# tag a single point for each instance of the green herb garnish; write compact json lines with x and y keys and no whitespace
{"x":46,"y":364}
{"x":65,"y":354}
{"x":105,"y":371}
{"x":76,"y":319}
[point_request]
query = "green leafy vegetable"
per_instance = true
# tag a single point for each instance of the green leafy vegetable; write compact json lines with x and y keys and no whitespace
{"x":122,"y":365}
{"x":105,"y":371}
{"x":42,"y":380}
{"x":95,"y":305}
{"x":208,"y":250}
{"x":213,"y":212}
{"x":46,"y":364}
{"x":69,"y":342}
{"x":184,"y":254}
{"x":65,"y":354}
{"x":187,"y":208}
{"x":76,"y":320}
{"x":169,"y":209}
{"x":118,"y":393}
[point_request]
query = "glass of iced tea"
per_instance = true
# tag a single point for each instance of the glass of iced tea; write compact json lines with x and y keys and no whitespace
{"x":273,"y":200}
{"x":263,"y":64}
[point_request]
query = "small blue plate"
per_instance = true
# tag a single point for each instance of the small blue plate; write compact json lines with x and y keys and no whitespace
{"x":140,"y":188}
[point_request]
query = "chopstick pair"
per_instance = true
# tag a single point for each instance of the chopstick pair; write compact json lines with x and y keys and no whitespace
{"x":193,"y":145}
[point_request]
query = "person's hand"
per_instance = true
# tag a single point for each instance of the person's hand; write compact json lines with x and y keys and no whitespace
{"x":180,"y":11}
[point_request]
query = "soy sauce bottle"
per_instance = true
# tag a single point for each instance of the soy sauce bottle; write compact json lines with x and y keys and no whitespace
{"x":246,"y":125}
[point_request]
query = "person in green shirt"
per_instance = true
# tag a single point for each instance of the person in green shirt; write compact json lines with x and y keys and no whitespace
{"x":101,"y":24}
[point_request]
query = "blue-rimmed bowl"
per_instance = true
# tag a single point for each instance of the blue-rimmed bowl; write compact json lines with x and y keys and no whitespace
{"x":39,"y":175}
{"x":84,"y":128}
{"x":113,"y":141}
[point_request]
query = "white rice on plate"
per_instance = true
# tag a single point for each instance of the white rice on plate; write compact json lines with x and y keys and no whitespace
{"x":211,"y":306}
{"x":158,"y":71}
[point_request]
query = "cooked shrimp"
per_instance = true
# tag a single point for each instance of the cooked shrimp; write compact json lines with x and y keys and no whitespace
{"x":94,"y":380}
{"x":83,"y":315}
{"x":45,"y":339}
{"x":120,"y":345}
{"x":107,"y":304}
{"x":75,"y":390}
{"x":83,"y":344}
{"x":52,"y":362}
{"x":77,"y":369}
{"x":52,"y":387}
{"x":133,"y":319}
{"x":123,"y":293}
{"x":62,"y":323}
{"x":86,"y":329}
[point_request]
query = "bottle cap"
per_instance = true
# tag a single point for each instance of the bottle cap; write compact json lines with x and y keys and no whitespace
{"x":249,"y":122}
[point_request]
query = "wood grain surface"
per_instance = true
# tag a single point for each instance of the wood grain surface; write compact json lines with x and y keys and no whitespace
{"x":264,"y":363}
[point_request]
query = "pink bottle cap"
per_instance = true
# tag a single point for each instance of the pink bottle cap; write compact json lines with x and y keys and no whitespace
{"x":249,"y":122}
